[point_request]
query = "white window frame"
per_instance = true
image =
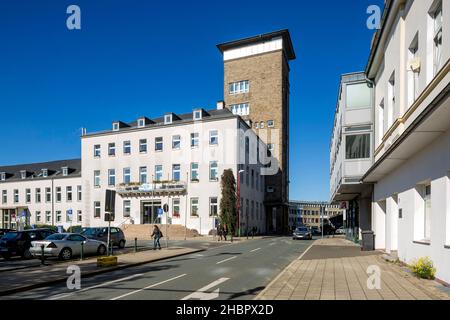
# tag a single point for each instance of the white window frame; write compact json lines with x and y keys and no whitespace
{"x":213,"y":167}
{"x":126,"y":208}
{"x":143,"y":175}
{"x":58,"y":194}
{"x":111,"y":177}
{"x":196,"y":171}
{"x":213,"y":137}
{"x":158,"y":172}
{"x":97,"y":206}
{"x":69,"y":194}
{"x":127,"y":175}
{"x":241,"y":109}
{"x":127,"y":147}
{"x":175,"y":171}
{"x":111,"y":149}
{"x":270,"y":124}
{"x":143,"y":146}
{"x":79,"y":216}
{"x":159,"y":144}
{"x":195,"y":140}
{"x":97,"y":178}
{"x":97,"y":151}
{"x":38,"y":198}
{"x":168,"y":119}
{"x":79,"y":193}
{"x":213,"y":203}
{"x":176,"y":139}
{"x":197,"y":115}
{"x":176,"y":203}
{"x":239,"y":87}
{"x":194,"y":203}
{"x":141,"y":123}
{"x":2,"y":176}
{"x":437,"y":39}
{"x":28,"y":195}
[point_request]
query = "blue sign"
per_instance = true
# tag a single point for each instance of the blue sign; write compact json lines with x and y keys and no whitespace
{"x":60,"y":229}
{"x":69,"y":212}
{"x":160,"y":212}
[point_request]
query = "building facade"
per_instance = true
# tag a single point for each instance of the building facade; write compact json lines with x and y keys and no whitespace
{"x":409,"y":64}
{"x":351,"y":152}
{"x":175,"y":160}
{"x":311,"y":213}
{"x":257,"y":87}
{"x":41,"y":194}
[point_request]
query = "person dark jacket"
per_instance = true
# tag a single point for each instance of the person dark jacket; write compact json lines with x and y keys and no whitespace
{"x":156,"y":235}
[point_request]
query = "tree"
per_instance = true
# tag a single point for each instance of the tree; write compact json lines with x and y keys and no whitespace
{"x":228,"y":211}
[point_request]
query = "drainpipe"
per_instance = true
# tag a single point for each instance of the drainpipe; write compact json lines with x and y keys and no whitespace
{"x":53,"y":202}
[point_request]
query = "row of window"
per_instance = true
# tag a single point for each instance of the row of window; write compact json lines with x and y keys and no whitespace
{"x":158,"y":175}
{"x":59,"y":217}
{"x":386,"y":118}
{"x":44,"y":174}
{"x":261,"y":124}
{"x":239,"y":87}
{"x":69,"y":191}
{"x":251,"y":209}
{"x":159,"y":144}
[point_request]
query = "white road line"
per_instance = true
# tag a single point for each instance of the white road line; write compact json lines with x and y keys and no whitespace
{"x":272,"y":244}
{"x":226,"y":260}
{"x":61,"y":296}
{"x":201,"y":294}
{"x":150,"y":286}
{"x":254,"y":250}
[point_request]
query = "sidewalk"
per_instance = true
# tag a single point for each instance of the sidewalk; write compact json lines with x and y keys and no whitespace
{"x":35,"y":277}
{"x":335,"y":269}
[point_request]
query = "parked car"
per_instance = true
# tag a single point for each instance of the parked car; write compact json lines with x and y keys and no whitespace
{"x":101,"y":234}
{"x":4,"y":231}
{"x":18,"y":243}
{"x":67,"y":245}
{"x":340,"y":230}
{"x":316,"y":231}
{"x":302,"y":233}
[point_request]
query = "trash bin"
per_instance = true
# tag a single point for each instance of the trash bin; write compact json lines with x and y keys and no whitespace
{"x":368,"y":240}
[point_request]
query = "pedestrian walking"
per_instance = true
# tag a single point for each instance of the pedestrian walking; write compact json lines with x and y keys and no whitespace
{"x":156,"y":235}
{"x":219,"y":232}
{"x":225,"y":231}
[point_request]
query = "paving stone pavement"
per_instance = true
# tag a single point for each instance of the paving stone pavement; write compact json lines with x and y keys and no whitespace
{"x":345,"y":278}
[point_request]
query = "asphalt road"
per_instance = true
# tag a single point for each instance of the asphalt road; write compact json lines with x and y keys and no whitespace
{"x":226,"y":272}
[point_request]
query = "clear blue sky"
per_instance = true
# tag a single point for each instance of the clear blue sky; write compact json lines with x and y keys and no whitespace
{"x":136,"y":57}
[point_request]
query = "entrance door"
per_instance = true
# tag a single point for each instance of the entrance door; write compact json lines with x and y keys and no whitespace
{"x":149,"y":212}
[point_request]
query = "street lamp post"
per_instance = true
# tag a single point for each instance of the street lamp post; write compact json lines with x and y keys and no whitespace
{"x":238,"y":200}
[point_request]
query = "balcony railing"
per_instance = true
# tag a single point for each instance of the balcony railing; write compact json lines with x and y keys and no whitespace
{"x":149,"y":189}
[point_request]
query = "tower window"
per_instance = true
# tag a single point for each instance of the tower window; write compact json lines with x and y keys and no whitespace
{"x":270,"y":124}
{"x":239,"y":87}
{"x":242,"y":109}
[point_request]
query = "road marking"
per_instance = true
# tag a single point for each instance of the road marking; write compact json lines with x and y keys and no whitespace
{"x":60,"y":296}
{"x":150,"y":286}
{"x":201,"y":294}
{"x":254,"y":250}
{"x":226,"y":260}
{"x":272,"y":244}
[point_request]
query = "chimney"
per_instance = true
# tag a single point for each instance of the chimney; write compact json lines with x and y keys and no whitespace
{"x":220,"y":105}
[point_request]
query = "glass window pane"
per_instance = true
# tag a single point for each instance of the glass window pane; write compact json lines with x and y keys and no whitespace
{"x":358,"y":146}
{"x":358,"y":95}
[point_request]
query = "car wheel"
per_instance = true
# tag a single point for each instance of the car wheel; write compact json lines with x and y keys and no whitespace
{"x":6,"y":256}
{"x":101,"y":250}
{"x":27,"y":254}
{"x":122,"y":244}
{"x":66,"y":254}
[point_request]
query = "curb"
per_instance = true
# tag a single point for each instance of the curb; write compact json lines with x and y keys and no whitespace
{"x":91,"y":274}
{"x":259,"y":296}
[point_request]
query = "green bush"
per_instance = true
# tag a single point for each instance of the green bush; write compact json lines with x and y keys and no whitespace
{"x":74,"y":229}
{"x":423,"y":268}
{"x":44,"y":226}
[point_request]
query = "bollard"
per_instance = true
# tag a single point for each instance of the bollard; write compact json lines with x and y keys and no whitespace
{"x":135,"y":244}
{"x":82,"y":251}
{"x":42,"y":255}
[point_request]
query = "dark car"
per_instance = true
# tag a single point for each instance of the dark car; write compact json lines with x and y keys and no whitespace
{"x":18,"y":243}
{"x":101,"y":234}
{"x":316,"y":231}
{"x":302,"y":233}
{"x":4,"y":231}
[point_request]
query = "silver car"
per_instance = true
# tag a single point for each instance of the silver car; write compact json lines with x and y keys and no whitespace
{"x":67,"y":245}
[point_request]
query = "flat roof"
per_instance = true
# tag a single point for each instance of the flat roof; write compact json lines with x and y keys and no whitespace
{"x":288,"y":47}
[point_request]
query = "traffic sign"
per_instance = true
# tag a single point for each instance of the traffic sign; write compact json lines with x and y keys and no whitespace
{"x":166,"y":208}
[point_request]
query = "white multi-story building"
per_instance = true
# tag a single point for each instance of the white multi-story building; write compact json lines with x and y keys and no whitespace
{"x":47,"y":193}
{"x":351,"y":151}
{"x":175,"y":160}
{"x":409,"y":65}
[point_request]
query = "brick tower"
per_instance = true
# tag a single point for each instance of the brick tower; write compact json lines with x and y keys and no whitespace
{"x":256,"y":86}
